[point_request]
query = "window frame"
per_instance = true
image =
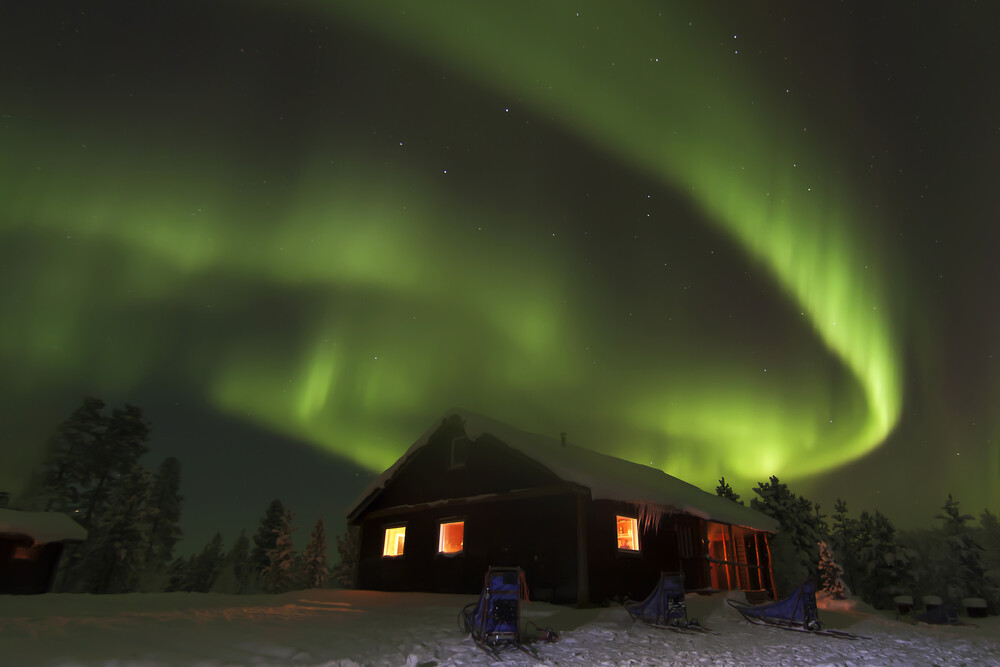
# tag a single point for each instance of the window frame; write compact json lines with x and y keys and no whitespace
{"x":441,"y":524}
{"x":385,"y":539}
{"x":635,"y":534}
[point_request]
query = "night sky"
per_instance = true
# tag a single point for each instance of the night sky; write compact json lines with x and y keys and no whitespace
{"x":726,"y":238}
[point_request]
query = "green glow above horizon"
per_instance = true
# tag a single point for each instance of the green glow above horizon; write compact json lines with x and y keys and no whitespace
{"x":768,"y":186}
{"x":360,"y":299}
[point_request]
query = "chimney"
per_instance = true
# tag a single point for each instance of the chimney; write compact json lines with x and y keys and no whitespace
{"x":562,"y":438}
{"x":4,"y":499}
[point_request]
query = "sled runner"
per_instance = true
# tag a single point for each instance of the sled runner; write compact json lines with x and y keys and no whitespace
{"x":494,"y":620}
{"x":665,"y":607}
{"x":796,"y":612}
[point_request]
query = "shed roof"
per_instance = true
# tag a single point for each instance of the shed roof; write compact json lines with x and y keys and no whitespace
{"x":607,"y":477}
{"x":41,"y":527}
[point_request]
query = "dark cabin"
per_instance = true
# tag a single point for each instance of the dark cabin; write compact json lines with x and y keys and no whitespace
{"x":31,"y":544}
{"x":585,"y":527}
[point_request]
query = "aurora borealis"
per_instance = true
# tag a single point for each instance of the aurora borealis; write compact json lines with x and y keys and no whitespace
{"x":718,"y":239}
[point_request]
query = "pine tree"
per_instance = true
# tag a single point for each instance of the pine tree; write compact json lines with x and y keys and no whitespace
{"x":843,"y":529}
{"x":964,"y":574}
{"x":163,"y":530}
{"x":281,"y":559}
{"x":349,"y":548}
{"x":314,"y":556}
{"x":113,"y":553}
{"x":989,"y":538}
{"x":57,"y":484}
{"x":235,"y":576}
{"x":884,"y":566}
{"x":726,"y":491}
{"x":205,"y":567}
{"x":797,"y":518}
{"x":831,"y":574}
{"x":266,"y":537}
{"x":177,"y":574}
{"x":110,"y":456}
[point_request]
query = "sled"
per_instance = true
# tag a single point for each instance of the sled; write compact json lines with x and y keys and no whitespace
{"x":797,"y":613}
{"x":494,"y":620}
{"x":942,"y":614}
{"x":665,"y":607}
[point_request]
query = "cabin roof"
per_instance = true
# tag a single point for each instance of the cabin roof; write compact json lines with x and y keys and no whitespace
{"x":607,"y":477}
{"x":41,"y":527}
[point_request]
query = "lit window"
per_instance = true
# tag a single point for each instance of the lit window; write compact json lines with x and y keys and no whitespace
{"x":628,"y":533}
{"x":394,"y":538}
{"x":452,"y":537}
{"x":22,"y":553}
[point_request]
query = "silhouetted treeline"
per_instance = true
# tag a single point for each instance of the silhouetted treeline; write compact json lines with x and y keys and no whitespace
{"x":91,"y":472}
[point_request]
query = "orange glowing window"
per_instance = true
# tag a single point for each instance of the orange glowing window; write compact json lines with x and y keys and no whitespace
{"x":452,"y":537}
{"x":23,"y":553}
{"x":628,"y":533}
{"x":394,"y":538}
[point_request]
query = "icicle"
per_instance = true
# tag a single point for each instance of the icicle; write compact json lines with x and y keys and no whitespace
{"x":649,"y":515}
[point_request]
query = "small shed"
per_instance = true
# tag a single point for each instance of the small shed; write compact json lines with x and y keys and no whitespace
{"x":586,"y":527}
{"x":31,"y":544}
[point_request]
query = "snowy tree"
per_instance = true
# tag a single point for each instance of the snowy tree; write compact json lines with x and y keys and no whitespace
{"x":963,"y":573}
{"x":989,"y":538}
{"x":316,"y":570}
{"x":235,"y":576}
{"x":203,"y":569}
{"x":266,"y":537}
{"x":884,"y":565}
{"x":278,"y":575}
{"x":177,"y":574}
{"x":61,"y":478}
{"x":831,"y":574}
{"x":726,"y":491}
{"x":118,"y":449}
{"x":797,"y":518}
{"x":163,"y":530}
{"x":349,"y":548}
{"x":112,"y":557}
{"x":842,"y":539}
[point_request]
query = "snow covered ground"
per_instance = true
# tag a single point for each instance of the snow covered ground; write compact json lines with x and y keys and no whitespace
{"x":342,"y":628}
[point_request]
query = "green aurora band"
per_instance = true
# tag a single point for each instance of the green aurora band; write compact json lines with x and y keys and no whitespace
{"x":389,"y":331}
{"x":675,"y":109}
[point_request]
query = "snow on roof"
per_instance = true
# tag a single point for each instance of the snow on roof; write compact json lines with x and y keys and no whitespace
{"x":606,"y":476}
{"x":41,"y":527}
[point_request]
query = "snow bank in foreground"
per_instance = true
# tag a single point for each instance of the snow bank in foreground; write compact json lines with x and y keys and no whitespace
{"x":348,"y":628}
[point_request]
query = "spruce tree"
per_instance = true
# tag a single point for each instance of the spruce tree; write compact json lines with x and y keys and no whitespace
{"x":884,"y":566}
{"x":177,"y":577}
{"x":349,"y":548}
{"x":109,"y":457}
{"x":314,"y":556}
{"x":266,"y":537}
{"x":797,"y":519}
{"x":964,"y":573}
{"x":831,"y":574}
{"x":281,"y":559}
{"x":163,"y":530}
{"x":113,"y":554}
{"x":235,"y":575}
{"x":205,"y":567}
{"x":59,"y":481}
{"x":843,"y":541}
{"x":989,"y":538}
{"x":726,"y":491}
